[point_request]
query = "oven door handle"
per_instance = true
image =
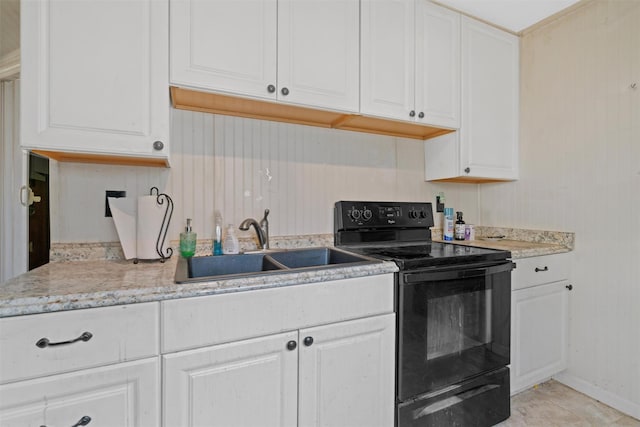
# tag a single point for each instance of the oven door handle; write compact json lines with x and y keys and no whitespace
{"x":458,"y":273}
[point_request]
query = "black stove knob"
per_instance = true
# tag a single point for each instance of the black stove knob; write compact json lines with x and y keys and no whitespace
{"x":355,"y":214}
{"x":367,"y":214}
{"x":423,"y":214}
{"x":413,"y":214}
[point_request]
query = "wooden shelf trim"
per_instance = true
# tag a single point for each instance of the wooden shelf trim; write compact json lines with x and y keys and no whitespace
{"x":207,"y":102}
{"x":104,"y":159}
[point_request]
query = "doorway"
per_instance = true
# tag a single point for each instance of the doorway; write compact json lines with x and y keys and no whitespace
{"x":39,"y":224}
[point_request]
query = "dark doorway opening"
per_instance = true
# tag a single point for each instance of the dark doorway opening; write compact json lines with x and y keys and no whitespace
{"x":39,"y":225}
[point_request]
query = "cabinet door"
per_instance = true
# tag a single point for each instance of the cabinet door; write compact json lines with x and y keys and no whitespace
{"x":94,"y":76}
{"x":489,"y":131}
{"x":437,"y":65}
{"x":124,"y":395}
{"x":246,"y":383}
{"x":318,"y":53}
{"x":387,"y":74}
{"x":224,"y":45}
{"x":347,"y":373}
{"x":539,"y":328}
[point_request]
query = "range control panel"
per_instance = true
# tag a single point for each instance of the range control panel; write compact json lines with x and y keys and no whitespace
{"x":359,"y":215}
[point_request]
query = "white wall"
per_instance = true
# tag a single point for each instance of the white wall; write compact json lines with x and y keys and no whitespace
{"x":580,"y":171}
{"x":13,"y":175}
{"x":242,"y":166}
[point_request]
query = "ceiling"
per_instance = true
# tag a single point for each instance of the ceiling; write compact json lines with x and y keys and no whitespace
{"x":514,"y":15}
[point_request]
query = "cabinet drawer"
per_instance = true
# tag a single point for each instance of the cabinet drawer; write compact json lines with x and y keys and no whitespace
{"x":200,"y":321}
{"x":118,"y":334}
{"x":122,"y":395}
{"x":539,"y":270}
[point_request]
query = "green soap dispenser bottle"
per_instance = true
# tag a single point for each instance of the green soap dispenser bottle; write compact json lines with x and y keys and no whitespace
{"x":188,"y":241}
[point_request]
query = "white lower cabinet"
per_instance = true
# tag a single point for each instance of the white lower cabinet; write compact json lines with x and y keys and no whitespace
{"x":336,"y":374}
{"x":123,"y":395}
{"x":539,"y":320}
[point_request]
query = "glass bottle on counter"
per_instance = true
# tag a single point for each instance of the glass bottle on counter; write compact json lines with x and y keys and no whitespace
{"x":459,"y":227}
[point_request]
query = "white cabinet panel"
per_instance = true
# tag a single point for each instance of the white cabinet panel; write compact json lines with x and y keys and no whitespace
{"x":123,"y":395}
{"x":437,"y":65}
{"x":225,"y":45}
{"x":485,"y":149}
{"x":118,"y":334}
{"x":318,"y":46}
{"x":347,"y":373}
{"x":490,"y":101}
{"x":410,"y":62}
{"x":247,"y":383}
{"x":302,"y":52}
{"x":540,"y":270}
{"x":269,"y":311}
{"x":388,"y":58}
{"x":540,"y":319}
{"x":94,"y":77}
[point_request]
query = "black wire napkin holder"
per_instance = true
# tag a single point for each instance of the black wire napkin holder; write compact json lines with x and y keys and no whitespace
{"x":161,"y":199}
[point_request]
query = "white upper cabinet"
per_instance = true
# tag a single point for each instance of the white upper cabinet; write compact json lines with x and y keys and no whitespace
{"x":94,"y":79}
{"x":301,"y":52}
{"x":410,"y":62}
{"x":318,"y":46}
{"x":486,"y":147}
{"x":225,"y":45}
{"x":437,"y":65}
{"x":387,"y":76}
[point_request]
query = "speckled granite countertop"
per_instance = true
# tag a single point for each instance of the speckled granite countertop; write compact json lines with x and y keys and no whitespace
{"x":69,"y":285}
{"x":95,"y":275}
{"x":521,"y":243}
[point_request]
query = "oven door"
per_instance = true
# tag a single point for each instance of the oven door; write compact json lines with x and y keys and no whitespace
{"x":453,"y":324}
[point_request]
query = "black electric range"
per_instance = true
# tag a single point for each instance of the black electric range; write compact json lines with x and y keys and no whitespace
{"x":453,"y":314}
{"x":400,"y":232}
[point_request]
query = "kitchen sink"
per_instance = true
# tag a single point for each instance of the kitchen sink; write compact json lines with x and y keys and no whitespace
{"x":315,"y":257}
{"x":210,"y":268}
{"x":198,"y":269}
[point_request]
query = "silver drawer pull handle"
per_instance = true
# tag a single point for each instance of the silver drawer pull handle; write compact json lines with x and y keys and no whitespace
{"x":44,"y":342}
{"x":542,"y":269}
{"x":81,"y":422}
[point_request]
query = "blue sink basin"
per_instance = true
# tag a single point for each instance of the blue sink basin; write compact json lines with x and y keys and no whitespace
{"x":212,"y":268}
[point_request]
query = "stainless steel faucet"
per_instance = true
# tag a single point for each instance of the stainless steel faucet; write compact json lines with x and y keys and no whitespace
{"x":262,"y":229}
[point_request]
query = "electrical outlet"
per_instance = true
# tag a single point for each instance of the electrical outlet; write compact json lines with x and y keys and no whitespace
{"x":440,"y":202}
{"x":111,"y":193}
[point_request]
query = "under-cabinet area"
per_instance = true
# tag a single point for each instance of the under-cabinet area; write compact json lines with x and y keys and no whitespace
{"x":291,"y":355}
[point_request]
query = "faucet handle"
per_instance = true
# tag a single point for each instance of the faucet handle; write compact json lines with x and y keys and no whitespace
{"x":266,"y":214}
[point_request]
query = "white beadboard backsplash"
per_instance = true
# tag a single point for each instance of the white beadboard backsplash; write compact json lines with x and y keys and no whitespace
{"x":244,"y":166}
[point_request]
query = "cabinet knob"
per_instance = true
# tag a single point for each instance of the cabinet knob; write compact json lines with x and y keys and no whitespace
{"x":291,"y":345}
{"x":285,"y":91}
{"x":271,"y":88}
{"x":412,"y":113}
{"x":308,"y":341}
{"x":421,"y":115}
{"x":467,"y":170}
{"x":570,"y":287}
{"x":158,"y":145}
{"x":546,"y":268}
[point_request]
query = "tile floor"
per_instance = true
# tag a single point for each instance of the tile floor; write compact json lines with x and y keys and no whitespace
{"x":552,"y":404}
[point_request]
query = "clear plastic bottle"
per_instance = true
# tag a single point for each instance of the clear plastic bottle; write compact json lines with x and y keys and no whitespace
{"x":217,"y":234}
{"x":447,"y":229}
{"x":230,"y":243}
